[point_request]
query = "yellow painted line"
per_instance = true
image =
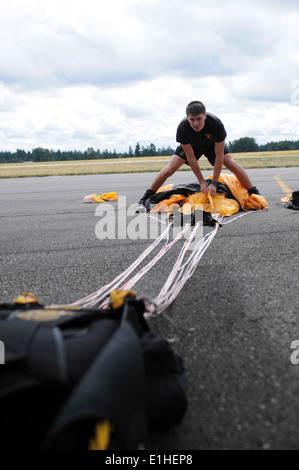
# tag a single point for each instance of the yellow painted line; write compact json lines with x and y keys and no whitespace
{"x":286,"y":189}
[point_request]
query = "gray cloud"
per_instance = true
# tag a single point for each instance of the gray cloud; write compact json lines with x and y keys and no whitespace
{"x":152,"y":38}
{"x":78,"y":73}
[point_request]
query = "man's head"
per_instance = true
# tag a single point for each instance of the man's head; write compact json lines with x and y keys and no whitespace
{"x":196,"y":115}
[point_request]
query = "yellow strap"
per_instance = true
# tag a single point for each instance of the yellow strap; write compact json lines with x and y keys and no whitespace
{"x":26,"y":298}
{"x":118,"y":297}
{"x":101,"y":438}
{"x":211,"y":202}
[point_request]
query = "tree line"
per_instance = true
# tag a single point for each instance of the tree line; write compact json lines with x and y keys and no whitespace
{"x":249,"y":144}
{"x":39,"y":154}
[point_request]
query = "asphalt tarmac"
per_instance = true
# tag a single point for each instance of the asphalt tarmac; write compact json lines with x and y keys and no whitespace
{"x":235,"y":319}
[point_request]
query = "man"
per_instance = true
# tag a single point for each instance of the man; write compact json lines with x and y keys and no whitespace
{"x":201,"y":133}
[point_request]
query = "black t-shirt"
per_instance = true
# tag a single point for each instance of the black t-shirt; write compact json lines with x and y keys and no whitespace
{"x":213,"y":131}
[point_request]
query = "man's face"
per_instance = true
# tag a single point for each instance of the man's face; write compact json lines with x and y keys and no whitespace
{"x":197,"y":122}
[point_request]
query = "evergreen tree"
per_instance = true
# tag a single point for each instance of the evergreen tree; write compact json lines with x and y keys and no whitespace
{"x":245,"y":144}
{"x":137,"y":150}
{"x":42,"y":155}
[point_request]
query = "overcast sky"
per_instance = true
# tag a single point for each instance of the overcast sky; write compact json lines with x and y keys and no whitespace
{"x":108,"y":74}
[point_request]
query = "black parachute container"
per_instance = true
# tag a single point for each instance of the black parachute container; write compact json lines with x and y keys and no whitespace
{"x":293,"y":202}
{"x":79,"y":379}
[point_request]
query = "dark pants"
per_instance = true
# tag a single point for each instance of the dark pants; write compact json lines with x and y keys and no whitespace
{"x":207,"y":150}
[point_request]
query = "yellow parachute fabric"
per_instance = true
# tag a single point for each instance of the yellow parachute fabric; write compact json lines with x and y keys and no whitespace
{"x":253,"y":202}
{"x":170,"y":204}
{"x":218,"y":204}
{"x":105,"y":197}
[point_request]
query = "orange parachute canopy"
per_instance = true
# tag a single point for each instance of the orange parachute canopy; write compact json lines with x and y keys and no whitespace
{"x":103,"y":198}
{"x":252,"y":202}
{"x":218,"y":204}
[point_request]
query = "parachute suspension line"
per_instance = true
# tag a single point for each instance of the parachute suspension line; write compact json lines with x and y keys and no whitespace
{"x":177,"y":278}
{"x":181,"y":272}
{"x":238,"y":217}
{"x":150,"y":216}
{"x":93,"y":299}
{"x":178,"y":262}
{"x":128,"y":285}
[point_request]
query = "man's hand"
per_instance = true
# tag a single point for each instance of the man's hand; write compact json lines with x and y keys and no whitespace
{"x":212,"y":190}
{"x":204,"y":187}
{"x":208,"y":189}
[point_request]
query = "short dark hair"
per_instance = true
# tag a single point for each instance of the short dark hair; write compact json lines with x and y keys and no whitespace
{"x":195,"y":107}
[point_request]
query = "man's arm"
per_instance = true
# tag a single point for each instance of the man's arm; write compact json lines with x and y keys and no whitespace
{"x":219,"y":151}
{"x":195,"y":167}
